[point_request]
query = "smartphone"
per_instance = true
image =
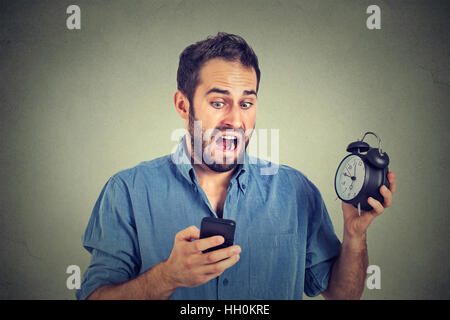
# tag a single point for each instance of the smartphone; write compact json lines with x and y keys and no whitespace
{"x":218,"y":227}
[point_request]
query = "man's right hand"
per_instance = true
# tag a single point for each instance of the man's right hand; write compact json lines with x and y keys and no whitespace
{"x":188,"y":266}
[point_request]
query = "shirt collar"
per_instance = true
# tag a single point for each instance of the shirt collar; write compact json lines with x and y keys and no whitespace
{"x":182,"y":161}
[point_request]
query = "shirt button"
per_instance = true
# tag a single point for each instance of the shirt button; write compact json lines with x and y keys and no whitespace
{"x":225,"y":282}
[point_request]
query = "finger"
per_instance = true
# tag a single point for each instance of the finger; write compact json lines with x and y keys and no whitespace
{"x":221,"y":254}
{"x":197,"y":259}
{"x":387,"y":195}
{"x":376,"y":205}
{"x":392,"y":182}
{"x":206,"y":243}
{"x":187,"y":234}
{"x":219,"y":267}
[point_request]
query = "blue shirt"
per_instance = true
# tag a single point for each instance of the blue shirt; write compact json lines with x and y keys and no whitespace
{"x":282,"y":225}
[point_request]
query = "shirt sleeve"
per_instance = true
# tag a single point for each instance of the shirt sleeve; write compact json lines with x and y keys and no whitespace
{"x":111,"y":239}
{"x":322,"y":248}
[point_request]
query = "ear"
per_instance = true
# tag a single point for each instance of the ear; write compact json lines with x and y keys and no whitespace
{"x":181,"y":104}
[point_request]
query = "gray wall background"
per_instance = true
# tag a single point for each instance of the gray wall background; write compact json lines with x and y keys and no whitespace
{"x":78,"y":106}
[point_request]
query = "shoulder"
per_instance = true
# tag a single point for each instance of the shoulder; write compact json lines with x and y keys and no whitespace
{"x":144,"y":172}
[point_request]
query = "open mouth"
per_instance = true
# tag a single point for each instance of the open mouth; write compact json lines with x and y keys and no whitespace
{"x":227,"y":143}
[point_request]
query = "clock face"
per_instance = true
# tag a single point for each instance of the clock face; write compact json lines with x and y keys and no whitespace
{"x":350,"y":177}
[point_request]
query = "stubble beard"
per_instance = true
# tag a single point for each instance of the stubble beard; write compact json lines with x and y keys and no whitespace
{"x":199,"y":154}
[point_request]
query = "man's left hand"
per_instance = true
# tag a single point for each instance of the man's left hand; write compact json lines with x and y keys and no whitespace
{"x":355,"y":226}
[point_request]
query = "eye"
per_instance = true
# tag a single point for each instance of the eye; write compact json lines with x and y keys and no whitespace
{"x":217,"y":104}
{"x":246,"y":105}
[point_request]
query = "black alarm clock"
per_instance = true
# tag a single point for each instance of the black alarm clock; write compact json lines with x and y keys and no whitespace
{"x":361,"y":174}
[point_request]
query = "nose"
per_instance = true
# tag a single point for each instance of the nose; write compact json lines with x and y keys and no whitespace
{"x":234,"y":118}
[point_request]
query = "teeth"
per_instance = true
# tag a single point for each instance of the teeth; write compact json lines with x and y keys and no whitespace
{"x":230,"y":145}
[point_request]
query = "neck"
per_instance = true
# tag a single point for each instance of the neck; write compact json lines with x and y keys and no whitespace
{"x":207,"y":177}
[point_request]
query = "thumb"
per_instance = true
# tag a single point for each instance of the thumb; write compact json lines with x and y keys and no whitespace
{"x":187,"y":234}
{"x":362,"y":222}
{"x":349,"y":210}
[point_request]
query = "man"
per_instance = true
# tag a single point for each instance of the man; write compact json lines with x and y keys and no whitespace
{"x":143,"y":233}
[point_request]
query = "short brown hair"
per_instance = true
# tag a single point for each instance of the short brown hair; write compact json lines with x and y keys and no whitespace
{"x":227,"y":46}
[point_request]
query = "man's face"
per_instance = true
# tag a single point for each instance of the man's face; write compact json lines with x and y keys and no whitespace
{"x":225,"y":102}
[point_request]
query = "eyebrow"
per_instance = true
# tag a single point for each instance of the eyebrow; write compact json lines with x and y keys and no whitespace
{"x":249,"y":92}
{"x":226,"y":92}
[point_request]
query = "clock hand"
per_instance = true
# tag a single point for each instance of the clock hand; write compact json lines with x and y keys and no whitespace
{"x":348,"y":172}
